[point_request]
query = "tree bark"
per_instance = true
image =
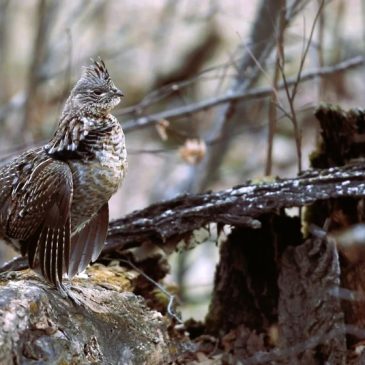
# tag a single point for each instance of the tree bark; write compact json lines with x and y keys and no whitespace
{"x":269,"y":275}
{"x":169,"y":222}
{"x":110,"y":326}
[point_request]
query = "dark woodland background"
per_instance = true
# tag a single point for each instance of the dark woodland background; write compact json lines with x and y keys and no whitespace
{"x":216,"y":93}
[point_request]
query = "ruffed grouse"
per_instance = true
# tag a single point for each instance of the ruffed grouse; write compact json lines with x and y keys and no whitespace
{"x":54,"y":199}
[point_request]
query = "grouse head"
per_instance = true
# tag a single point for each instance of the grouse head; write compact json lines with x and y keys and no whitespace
{"x":95,"y":92}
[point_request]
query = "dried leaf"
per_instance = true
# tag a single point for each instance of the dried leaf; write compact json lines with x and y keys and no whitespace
{"x":161,"y":127}
{"x":193,"y":151}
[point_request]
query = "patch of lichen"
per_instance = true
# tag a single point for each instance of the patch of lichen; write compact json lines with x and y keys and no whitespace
{"x":113,"y":277}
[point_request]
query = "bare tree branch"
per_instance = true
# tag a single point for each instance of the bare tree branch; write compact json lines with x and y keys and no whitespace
{"x":241,"y":205}
{"x":225,"y":121}
{"x":292,"y":93}
{"x":272,"y":117}
{"x":18,"y":100}
{"x":256,"y":93}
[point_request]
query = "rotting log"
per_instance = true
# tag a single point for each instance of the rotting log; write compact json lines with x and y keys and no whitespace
{"x":164,"y":225}
{"x":261,"y":259}
{"x":343,"y":143}
{"x":309,"y":306}
{"x":245,"y":285}
{"x":110,"y":326}
{"x":169,"y":222}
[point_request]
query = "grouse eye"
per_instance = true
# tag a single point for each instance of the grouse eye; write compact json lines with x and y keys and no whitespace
{"x":97,"y":92}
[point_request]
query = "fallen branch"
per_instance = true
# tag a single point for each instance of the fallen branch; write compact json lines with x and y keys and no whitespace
{"x":240,"y":205}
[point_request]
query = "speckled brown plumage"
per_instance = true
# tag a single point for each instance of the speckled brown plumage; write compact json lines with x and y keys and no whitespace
{"x":54,"y":199}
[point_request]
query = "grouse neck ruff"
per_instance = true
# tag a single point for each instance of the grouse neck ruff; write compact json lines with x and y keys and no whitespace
{"x":54,"y":199}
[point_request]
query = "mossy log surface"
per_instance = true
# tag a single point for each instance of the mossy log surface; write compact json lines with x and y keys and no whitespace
{"x":109,"y":326}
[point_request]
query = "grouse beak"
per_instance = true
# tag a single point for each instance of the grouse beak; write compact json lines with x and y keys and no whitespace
{"x":118,"y":92}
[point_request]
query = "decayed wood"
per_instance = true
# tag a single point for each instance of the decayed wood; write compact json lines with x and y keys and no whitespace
{"x":245,"y":286}
{"x":172,"y":220}
{"x":267,"y":273}
{"x":343,"y":142}
{"x":313,"y":322}
{"x":309,"y":305}
{"x":342,"y":136}
{"x":110,"y":326}
{"x":166,"y":223}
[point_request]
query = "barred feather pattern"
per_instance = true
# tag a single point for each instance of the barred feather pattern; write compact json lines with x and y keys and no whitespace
{"x":71,"y":131}
{"x":54,"y":199}
{"x":108,"y":163}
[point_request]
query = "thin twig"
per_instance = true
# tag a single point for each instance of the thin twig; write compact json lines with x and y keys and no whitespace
{"x":321,"y":29}
{"x":170,"y":306}
{"x":256,"y":93}
{"x":303,"y":58}
{"x":274,"y":96}
{"x":167,"y":90}
{"x":292,"y":94}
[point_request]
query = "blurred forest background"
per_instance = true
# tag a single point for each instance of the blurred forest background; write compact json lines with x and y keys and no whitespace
{"x":216,"y":92}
